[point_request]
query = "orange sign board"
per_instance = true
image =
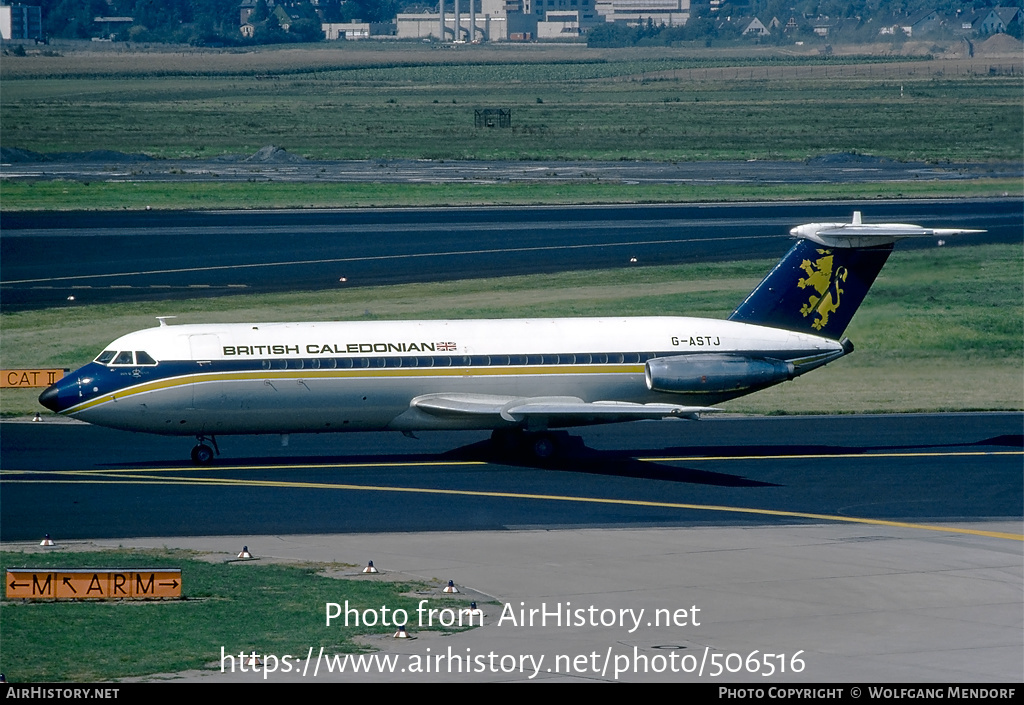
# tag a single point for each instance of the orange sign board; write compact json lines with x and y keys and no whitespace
{"x":92,"y":584}
{"x":29,"y":378}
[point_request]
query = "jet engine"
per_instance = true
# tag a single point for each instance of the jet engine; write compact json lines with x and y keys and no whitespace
{"x":714,"y":373}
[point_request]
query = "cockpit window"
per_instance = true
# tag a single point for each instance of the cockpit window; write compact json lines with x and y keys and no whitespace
{"x":143,"y":358}
{"x":124,"y":358}
{"x":106,"y":356}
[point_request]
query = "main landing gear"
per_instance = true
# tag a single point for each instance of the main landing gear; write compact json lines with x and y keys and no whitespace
{"x":539,"y":445}
{"x":203,"y":454}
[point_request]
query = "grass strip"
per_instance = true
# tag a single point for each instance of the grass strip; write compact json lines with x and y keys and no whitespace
{"x":269,"y":608}
{"x":210,"y":194}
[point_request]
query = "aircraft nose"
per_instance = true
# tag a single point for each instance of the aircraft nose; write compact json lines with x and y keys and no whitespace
{"x":50,"y":398}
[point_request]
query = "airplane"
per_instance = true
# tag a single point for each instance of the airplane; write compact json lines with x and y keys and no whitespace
{"x":519,"y":378}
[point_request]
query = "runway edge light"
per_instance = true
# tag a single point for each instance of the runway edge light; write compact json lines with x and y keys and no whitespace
{"x":401,"y":633}
{"x":450,"y":588}
{"x":47,"y":541}
{"x":244,"y":553}
{"x":370,"y":569}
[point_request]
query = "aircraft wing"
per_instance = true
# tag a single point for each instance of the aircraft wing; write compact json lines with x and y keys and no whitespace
{"x":558,"y":409}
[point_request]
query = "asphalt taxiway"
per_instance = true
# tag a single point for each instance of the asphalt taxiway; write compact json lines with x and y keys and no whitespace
{"x":132,"y":256}
{"x":78,"y":481}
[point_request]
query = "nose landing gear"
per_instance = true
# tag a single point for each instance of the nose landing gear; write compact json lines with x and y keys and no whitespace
{"x":203,"y":454}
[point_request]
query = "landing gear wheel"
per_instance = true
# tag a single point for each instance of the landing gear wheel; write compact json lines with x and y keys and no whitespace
{"x":525,"y":444}
{"x":202,"y":454}
{"x":544,"y":446}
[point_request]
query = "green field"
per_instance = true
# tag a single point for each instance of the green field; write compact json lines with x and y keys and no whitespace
{"x":253,"y":606}
{"x":942,"y":329}
{"x":572,"y":104}
{"x":135,"y":195}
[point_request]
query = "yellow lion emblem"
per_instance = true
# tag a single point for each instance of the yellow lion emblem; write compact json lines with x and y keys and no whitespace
{"x":821,"y":278}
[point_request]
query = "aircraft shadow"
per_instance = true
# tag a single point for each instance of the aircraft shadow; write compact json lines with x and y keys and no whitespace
{"x":576,"y":457}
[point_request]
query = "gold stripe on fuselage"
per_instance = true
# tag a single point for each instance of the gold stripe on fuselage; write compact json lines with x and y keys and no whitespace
{"x":363,"y":372}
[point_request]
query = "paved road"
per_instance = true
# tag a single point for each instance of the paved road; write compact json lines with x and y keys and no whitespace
{"x":74,"y":480}
{"x":96,"y":257}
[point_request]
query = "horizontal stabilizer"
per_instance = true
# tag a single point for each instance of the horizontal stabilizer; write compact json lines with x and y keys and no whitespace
{"x":860,"y":234}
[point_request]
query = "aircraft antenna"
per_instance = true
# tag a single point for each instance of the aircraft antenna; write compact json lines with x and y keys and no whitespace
{"x":163,"y":320}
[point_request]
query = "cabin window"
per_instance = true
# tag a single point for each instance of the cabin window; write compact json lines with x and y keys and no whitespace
{"x":143,"y":358}
{"x":124,"y":358}
{"x":106,"y":356}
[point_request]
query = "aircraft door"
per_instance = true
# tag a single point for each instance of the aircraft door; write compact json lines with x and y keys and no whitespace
{"x":205,"y":349}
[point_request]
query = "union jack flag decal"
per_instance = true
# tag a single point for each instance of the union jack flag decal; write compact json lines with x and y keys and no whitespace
{"x":447,"y":347}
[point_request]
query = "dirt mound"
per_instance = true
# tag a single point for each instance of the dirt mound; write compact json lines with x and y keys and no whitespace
{"x":848,"y":158}
{"x":13,"y":155}
{"x":276,"y":155}
{"x":999,"y":46}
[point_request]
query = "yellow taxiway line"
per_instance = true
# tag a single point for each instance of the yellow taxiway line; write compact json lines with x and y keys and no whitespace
{"x":153,"y":477}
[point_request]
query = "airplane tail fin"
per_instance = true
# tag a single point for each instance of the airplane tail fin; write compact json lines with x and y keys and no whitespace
{"x":818,"y":286}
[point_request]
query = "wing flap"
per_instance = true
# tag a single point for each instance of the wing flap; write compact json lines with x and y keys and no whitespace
{"x":558,"y":409}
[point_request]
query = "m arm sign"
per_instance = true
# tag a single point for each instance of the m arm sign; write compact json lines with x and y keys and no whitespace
{"x":93,"y":584}
{"x":30,"y":378}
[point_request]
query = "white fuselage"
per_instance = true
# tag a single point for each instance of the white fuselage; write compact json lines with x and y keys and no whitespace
{"x":359,"y":376}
